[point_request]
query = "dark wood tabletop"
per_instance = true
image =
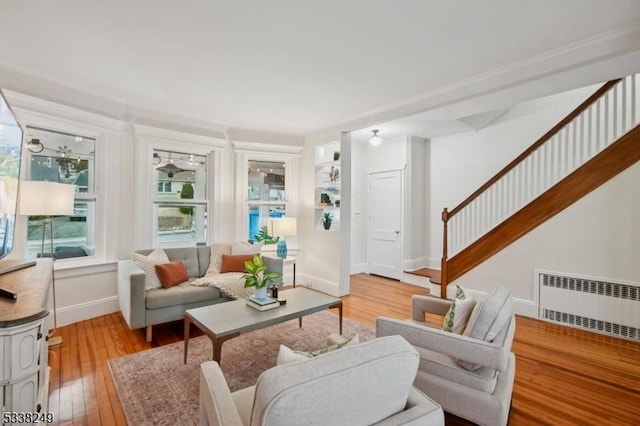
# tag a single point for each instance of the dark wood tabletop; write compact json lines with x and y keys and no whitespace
{"x":32,"y":286}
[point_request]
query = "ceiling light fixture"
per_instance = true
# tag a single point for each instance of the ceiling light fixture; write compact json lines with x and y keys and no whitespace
{"x":375,"y":140}
{"x":34,"y":145}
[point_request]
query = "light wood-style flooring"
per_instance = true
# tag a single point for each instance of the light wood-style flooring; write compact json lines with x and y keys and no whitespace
{"x":563,"y":375}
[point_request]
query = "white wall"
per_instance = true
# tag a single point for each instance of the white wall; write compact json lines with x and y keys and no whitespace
{"x":318,"y":263}
{"x":417,"y":201}
{"x":359,"y":209}
{"x":599,"y":236}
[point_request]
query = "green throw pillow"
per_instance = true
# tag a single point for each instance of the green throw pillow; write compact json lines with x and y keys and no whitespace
{"x":455,"y":320}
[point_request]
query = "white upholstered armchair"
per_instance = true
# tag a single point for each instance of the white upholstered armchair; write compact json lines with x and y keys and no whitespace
{"x":363,"y":384}
{"x":481,"y":392}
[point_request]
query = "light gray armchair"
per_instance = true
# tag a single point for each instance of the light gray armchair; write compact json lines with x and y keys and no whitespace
{"x":364,"y":384}
{"x":482,"y":395}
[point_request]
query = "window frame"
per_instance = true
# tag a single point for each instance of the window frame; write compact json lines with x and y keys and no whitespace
{"x":249,"y":151}
{"x":78,"y":123}
{"x":159,"y":201}
{"x":149,"y":139}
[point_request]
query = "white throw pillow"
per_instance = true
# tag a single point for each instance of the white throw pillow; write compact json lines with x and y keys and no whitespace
{"x":148,"y":265}
{"x":462,"y":311}
{"x":287,"y":355}
{"x":455,"y":320}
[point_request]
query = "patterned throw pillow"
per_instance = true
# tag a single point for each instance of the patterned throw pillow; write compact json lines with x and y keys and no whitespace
{"x":148,"y":266}
{"x":286,"y":355}
{"x":455,"y":320}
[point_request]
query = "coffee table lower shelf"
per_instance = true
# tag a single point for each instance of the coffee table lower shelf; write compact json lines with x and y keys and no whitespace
{"x":224,"y":321}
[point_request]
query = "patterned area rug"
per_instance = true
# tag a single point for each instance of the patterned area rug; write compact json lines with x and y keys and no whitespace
{"x":156,"y":388}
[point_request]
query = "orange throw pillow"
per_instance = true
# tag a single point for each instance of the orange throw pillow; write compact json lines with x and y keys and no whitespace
{"x":172,"y":273}
{"x":234,"y":262}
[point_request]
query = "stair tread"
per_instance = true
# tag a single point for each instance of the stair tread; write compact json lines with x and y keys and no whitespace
{"x":432,"y":274}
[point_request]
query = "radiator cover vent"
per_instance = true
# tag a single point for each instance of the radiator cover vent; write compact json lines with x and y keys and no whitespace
{"x":593,"y":304}
{"x":600,"y":326}
{"x":602,"y":288}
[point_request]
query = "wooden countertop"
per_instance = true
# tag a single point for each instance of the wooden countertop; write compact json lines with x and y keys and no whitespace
{"x":32,"y":286}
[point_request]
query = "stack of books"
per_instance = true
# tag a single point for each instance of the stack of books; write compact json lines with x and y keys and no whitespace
{"x":262,"y":304}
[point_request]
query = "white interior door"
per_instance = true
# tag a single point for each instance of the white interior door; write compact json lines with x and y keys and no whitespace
{"x":385,"y":223}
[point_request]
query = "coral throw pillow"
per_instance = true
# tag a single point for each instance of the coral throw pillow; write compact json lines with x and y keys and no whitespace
{"x":234,"y":263}
{"x":172,"y":273}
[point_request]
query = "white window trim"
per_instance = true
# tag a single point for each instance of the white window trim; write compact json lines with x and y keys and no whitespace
{"x":249,"y":151}
{"x":34,"y":112}
{"x":147,"y":139}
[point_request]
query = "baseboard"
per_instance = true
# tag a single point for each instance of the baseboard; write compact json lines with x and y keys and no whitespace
{"x":360,"y":268}
{"x":415,"y":264}
{"x":316,"y":283}
{"x":524,"y":307}
{"x":434,"y":263}
{"x":84,"y":311}
{"x":421,"y":281}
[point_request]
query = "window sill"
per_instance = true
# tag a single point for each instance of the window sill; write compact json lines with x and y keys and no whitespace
{"x":90,"y":265}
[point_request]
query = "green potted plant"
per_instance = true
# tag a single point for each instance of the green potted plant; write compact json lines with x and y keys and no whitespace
{"x":336,"y":155}
{"x":327,"y":218}
{"x":257,"y":276}
{"x":263,"y":235}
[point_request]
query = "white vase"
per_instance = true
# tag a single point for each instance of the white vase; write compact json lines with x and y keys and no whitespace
{"x":261,"y":293}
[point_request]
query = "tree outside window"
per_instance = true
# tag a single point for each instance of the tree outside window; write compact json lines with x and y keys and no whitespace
{"x":180,"y":205}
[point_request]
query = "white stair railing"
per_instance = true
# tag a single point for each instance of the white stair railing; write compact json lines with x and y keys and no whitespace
{"x":591,"y":131}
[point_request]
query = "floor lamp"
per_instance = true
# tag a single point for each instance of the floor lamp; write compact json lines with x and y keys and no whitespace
{"x":47,"y":199}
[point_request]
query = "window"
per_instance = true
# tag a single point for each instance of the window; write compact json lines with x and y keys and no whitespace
{"x":180,"y":204}
{"x":70,"y":159}
{"x":266,"y":196}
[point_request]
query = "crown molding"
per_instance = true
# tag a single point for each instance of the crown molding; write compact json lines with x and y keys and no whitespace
{"x":34,"y":106}
{"x":580,"y":56}
{"x":266,"y":148}
{"x":169,"y":135}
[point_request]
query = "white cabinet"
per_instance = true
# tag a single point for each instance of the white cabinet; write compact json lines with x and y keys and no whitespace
{"x":24,"y":369}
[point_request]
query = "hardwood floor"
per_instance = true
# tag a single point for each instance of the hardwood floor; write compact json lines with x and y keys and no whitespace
{"x":563,"y":375}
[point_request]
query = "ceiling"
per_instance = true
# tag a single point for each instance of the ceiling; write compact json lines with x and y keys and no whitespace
{"x":285,"y":69}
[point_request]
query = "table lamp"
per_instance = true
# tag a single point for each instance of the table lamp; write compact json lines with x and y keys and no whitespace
{"x":283,"y":227}
{"x":46,"y":199}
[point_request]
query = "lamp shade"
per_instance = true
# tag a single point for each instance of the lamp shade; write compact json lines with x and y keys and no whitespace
{"x":283,"y":226}
{"x":40,"y":198}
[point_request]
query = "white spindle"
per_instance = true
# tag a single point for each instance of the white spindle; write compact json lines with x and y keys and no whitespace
{"x":589,"y":133}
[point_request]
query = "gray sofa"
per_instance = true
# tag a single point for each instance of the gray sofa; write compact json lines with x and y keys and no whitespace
{"x":145,"y":308}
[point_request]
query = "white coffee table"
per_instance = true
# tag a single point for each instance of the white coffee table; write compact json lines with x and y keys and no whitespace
{"x":224,"y":321}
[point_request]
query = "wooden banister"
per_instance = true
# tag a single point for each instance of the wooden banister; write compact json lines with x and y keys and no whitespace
{"x":570,"y":117}
{"x":538,"y":210}
{"x":607,"y":164}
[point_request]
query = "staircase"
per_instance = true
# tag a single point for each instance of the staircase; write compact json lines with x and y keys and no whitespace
{"x":594,"y":143}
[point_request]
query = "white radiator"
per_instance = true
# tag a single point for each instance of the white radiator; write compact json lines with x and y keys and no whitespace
{"x":603,"y":306}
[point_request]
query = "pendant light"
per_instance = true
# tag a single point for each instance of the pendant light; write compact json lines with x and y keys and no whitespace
{"x":375,"y":140}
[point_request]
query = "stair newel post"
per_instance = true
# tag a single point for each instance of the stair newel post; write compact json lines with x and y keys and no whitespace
{"x":443,"y":265}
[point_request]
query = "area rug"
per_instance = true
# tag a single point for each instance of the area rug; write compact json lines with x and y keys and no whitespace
{"x":156,"y":388}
